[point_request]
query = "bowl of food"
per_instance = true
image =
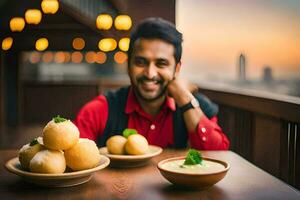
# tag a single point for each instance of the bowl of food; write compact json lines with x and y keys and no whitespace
{"x":58,"y":159}
{"x":129,"y":149}
{"x":193,"y":170}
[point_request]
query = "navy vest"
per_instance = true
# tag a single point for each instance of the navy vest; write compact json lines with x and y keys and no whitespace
{"x":117,"y":118}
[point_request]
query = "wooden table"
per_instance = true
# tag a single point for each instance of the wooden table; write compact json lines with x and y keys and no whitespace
{"x":243,"y":181}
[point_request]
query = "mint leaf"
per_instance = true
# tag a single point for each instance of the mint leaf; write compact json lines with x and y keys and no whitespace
{"x":33,"y":142}
{"x":59,"y":119}
{"x":128,"y":131}
{"x":193,"y":157}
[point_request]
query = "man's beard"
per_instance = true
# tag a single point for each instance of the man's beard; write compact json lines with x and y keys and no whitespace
{"x":159,"y":81}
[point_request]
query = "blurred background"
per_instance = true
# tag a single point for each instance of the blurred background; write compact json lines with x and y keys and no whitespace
{"x":253,"y":44}
{"x":244,"y":55}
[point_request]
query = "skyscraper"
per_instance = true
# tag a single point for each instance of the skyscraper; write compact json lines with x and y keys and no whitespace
{"x":242,"y":68}
{"x":267,"y":74}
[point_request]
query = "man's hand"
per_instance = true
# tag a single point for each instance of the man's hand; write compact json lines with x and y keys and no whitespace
{"x":181,"y":90}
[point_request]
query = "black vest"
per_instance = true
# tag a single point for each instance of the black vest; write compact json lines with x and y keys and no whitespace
{"x":117,"y":118}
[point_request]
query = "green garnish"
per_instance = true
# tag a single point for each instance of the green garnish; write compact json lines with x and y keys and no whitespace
{"x":33,"y":142}
{"x":59,"y":119}
{"x":193,"y":157}
{"x":128,"y":131}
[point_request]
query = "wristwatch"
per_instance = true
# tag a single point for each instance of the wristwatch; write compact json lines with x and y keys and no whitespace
{"x":192,"y":104}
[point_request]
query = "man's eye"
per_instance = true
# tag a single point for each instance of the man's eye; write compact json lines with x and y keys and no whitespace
{"x":140,"y":62}
{"x":162,"y":64}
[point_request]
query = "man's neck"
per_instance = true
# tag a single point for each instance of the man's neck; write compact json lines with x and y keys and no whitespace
{"x":152,"y":107}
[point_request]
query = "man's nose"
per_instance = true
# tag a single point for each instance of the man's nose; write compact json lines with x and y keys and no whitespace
{"x":151,"y":71}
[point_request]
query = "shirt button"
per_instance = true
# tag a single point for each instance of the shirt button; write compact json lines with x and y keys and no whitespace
{"x":203,"y":130}
{"x":204,"y":139}
{"x":152,"y":127}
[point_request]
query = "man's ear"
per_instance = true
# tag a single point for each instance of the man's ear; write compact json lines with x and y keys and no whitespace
{"x":177,"y":69}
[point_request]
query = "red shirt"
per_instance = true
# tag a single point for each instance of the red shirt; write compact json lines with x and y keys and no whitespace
{"x":91,"y":121}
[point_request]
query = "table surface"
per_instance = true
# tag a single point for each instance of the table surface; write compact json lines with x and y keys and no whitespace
{"x":243,"y":181}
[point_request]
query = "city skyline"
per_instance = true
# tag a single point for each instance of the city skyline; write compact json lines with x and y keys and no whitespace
{"x":215,"y":34}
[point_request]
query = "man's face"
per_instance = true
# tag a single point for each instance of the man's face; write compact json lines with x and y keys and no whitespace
{"x":152,"y":66}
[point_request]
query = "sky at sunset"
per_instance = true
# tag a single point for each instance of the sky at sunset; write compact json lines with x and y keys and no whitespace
{"x":216,"y":32}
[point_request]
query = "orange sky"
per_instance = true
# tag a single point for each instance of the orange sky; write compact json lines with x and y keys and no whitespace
{"x":216,"y":33}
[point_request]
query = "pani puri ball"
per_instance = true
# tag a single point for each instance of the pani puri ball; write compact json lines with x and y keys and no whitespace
{"x":28,"y":151}
{"x":136,"y":145}
{"x":60,"y":134}
{"x":83,"y":155}
{"x":49,"y":162}
{"x":116,"y":144}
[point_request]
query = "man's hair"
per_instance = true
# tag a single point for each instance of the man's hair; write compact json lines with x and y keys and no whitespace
{"x":157,"y":28}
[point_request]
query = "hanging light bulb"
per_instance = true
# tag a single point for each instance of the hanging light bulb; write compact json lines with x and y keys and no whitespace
{"x":124,"y":44}
{"x":101,"y":57}
{"x":76,"y":57}
{"x":50,"y":6}
{"x":107,"y":44}
{"x":41,"y":44}
{"x":33,"y":16}
{"x":78,"y":43}
{"x":104,"y":22}
{"x":17,"y":24}
{"x":120,"y":57}
{"x":123,"y":22}
{"x":7,"y":43}
{"x":90,"y":57}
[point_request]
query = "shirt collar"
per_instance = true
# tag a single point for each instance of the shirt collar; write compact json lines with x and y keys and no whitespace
{"x":133,"y":105}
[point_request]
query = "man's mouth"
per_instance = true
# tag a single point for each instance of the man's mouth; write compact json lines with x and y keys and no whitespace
{"x":149,"y":84}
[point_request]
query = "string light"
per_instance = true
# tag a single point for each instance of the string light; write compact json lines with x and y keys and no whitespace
{"x":17,"y":24}
{"x":120,"y":57}
{"x":104,"y":22}
{"x":78,"y":43}
{"x":33,"y":16}
{"x":124,"y":44}
{"x":50,"y":6}
{"x":123,"y":22}
{"x":41,"y":44}
{"x":7,"y":43}
{"x":107,"y":44}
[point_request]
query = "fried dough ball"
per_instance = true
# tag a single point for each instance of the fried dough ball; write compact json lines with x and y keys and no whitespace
{"x":60,"y":135}
{"x":49,"y":162}
{"x":116,"y":144}
{"x":136,"y":145}
{"x":83,"y":155}
{"x":28,"y":151}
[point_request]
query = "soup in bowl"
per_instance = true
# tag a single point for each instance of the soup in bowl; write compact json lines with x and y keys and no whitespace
{"x":200,"y":176}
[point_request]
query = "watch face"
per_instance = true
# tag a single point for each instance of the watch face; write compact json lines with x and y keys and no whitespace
{"x":195,"y":103}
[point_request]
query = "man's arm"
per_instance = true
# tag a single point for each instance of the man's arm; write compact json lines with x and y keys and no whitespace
{"x":92,"y":117}
{"x":204,"y":133}
{"x":180,"y":90}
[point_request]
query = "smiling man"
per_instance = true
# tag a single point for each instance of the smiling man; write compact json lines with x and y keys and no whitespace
{"x":158,"y":104}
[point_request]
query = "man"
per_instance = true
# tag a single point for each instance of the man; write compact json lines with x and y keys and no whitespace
{"x":158,"y":104}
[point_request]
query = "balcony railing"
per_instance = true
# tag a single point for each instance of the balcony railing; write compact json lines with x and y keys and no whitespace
{"x":262,"y":127}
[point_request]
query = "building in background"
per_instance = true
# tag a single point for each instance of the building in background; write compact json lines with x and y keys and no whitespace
{"x":242,"y":68}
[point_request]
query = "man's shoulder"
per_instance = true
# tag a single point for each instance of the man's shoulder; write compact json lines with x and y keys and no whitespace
{"x":96,"y":103}
{"x":123,"y":91}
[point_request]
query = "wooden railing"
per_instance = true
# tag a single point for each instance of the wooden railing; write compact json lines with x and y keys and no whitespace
{"x":263,"y":128}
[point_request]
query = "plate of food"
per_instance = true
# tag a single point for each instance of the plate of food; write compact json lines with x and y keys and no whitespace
{"x":129,"y":150}
{"x":193,"y":170}
{"x":59,"y":158}
{"x":66,"y":179}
